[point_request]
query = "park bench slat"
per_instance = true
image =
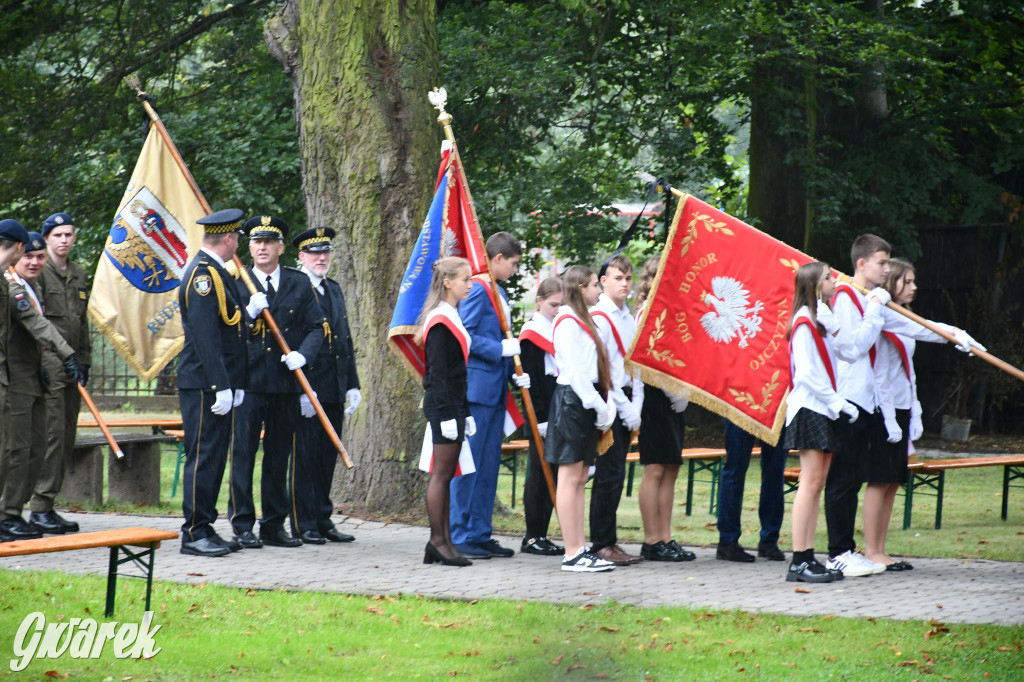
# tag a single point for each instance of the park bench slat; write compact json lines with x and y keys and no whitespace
{"x":132,"y":423}
{"x":968,"y":462}
{"x":103,"y":538}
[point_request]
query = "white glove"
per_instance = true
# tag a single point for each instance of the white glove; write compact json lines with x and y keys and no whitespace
{"x":542,"y":429}
{"x":851,"y":411}
{"x":826,"y":318}
{"x":306,"y":406}
{"x":257,"y":302}
{"x":354,"y":398}
{"x":293,"y":360}
{"x":893,"y":430}
{"x":606,"y":416}
{"x":239,"y":397}
{"x":522,"y":380}
{"x":510,"y":347}
{"x":881,"y":294}
{"x":964,"y":341}
{"x":450,"y":429}
{"x":470,"y":426}
{"x":678,"y":403}
{"x":222,"y":405}
{"x":916,"y":427}
{"x":630,"y":417}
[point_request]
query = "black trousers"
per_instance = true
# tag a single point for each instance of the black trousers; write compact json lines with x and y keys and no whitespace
{"x":276,"y":414}
{"x":207,"y":439}
{"x":846,"y":474}
{"x":537,"y":505}
{"x":315,"y":458}
{"x":606,"y":489}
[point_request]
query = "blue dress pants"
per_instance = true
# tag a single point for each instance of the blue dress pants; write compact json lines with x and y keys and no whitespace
{"x":738,"y":446}
{"x":472,"y":495}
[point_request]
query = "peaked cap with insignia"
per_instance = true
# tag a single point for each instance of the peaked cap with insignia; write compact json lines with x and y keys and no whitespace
{"x":266,"y":227}
{"x":222,"y":222}
{"x":315,"y":239}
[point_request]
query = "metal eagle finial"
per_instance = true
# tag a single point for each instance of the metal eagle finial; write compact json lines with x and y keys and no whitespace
{"x":438,"y":98}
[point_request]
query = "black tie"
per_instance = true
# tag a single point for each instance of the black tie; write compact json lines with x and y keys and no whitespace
{"x":270,"y":290}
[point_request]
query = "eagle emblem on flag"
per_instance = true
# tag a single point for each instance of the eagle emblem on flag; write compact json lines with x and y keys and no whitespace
{"x":731,"y":317}
{"x":147,"y":245}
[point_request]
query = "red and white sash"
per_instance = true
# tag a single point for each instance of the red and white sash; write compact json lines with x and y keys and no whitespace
{"x":449,"y":317}
{"x":826,"y":357}
{"x":848,"y":290}
{"x":901,"y":348}
{"x":538,"y":332}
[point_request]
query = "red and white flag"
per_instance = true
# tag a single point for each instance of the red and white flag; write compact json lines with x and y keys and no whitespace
{"x":716,"y":318}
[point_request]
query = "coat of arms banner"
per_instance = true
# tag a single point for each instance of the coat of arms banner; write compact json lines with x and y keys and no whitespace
{"x":715,"y":323}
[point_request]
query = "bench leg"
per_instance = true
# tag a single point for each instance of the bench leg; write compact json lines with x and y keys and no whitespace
{"x":938,"y":502}
{"x":908,"y":501}
{"x":177,"y":467}
{"x":716,"y":473}
{"x":515,"y":466}
{"x":112,"y":580}
{"x":689,"y":488}
{"x":631,"y":467}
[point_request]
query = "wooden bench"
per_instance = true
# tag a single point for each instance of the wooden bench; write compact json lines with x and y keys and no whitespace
{"x":118,"y":541}
{"x":158,"y":425}
{"x":931,"y":474}
{"x":135,"y":478}
{"x":697,"y":460}
{"x":510,"y":452}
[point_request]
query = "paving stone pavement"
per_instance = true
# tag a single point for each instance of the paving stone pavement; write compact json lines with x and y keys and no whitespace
{"x":388,"y":559}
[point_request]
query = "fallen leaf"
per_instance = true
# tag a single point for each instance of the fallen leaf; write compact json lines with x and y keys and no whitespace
{"x":939,"y":606}
{"x":606,"y":628}
{"x":196,"y":574}
{"x":374,"y":609}
{"x":191,"y":608}
{"x":558,"y":660}
{"x":52,"y":673}
{"x":808,"y":630}
{"x":800,"y":590}
{"x":587,"y":607}
{"x":907,"y":663}
{"x":536,"y":640}
{"x":576,"y":666}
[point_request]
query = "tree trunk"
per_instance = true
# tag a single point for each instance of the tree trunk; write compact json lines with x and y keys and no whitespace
{"x":369,"y":147}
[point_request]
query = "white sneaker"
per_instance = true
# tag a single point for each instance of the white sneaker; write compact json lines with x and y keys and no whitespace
{"x":852,"y":565}
{"x":585,"y":562}
{"x":873,"y":565}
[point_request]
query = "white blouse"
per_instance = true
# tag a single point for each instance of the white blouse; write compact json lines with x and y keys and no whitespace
{"x":576,"y":357}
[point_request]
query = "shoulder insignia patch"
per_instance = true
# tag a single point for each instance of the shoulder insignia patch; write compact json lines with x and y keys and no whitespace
{"x":81,"y":294}
{"x":202,"y":285}
{"x":23,"y":304}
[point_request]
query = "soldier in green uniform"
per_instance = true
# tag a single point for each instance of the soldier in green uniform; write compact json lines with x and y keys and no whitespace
{"x":64,"y":299}
{"x":13,"y":237}
{"x":24,"y":419}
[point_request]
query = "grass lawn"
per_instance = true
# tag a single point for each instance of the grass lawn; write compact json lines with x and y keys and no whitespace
{"x":209,"y":631}
{"x":971,"y":528}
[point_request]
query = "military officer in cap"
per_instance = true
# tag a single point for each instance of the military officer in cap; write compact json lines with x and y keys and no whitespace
{"x":24,"y":418}
{"x":332,"y":374}
{"x":272,"y":400}
{"x":13,"y":237}
{"x":211,"y":376}
{"x":64,"y":299}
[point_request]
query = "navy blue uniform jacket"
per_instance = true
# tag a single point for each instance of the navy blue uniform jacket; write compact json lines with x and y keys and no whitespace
{"x":333,"y":372}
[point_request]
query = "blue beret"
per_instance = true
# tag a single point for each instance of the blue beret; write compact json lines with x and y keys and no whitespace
{"x":35,"y":242}
{"x":12,"y":230}
{"x":315,"y":239}
{"x":55,"y":220}
{"x":223,"y":221}
{"x":266,"y":227}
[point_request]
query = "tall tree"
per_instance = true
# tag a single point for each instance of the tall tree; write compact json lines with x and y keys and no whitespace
{"x":361,"y":72}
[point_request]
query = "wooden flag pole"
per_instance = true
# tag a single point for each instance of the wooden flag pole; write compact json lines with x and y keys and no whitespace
{"x":445,"y":119}
{"x":99,"y":420}
{"x":930,"y":326}
{"x":244,"y":273}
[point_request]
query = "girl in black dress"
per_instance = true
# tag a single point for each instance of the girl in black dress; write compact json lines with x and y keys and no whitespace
{"x":446,"y":343}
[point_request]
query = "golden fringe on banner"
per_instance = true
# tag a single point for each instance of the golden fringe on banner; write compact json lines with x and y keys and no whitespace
{"x":126,"y":353}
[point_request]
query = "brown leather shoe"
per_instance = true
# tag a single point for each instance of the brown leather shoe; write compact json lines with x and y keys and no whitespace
{"x":613,"y":554}
{"x":633,"y":558}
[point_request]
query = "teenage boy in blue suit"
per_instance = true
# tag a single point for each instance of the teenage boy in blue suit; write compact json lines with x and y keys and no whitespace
{"x":487,"y":374}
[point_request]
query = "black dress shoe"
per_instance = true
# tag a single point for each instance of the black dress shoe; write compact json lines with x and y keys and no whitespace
{"x":731,"y":551}
{"x":47,"y":522}
{"x":17,"y":527}
{"x":248,"y":540}
{"x":770,"y":551}
{"x":685,"y":553}
{"x":471,"y":551}
{"x":204,"y":547}
{"x":233,"y":545}
{"x":279,"y":538}
{"x":495,"y":549}
{"x":541,"y":546}
{"x":69,"y":526}
{"x":312,"y":537}
{"x":335,"y":535}
{"x":659,"y":551}
{"x":6,"y":537}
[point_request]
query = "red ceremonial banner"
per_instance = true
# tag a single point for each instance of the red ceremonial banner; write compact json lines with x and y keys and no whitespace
{"x":716,"y":318}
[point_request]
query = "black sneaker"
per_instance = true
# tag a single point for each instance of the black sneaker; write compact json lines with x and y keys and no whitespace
{"x":495,"y":549}
{"x":770,"y":551}
{"x":808,"y":572}
{"x":585,"y":562}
